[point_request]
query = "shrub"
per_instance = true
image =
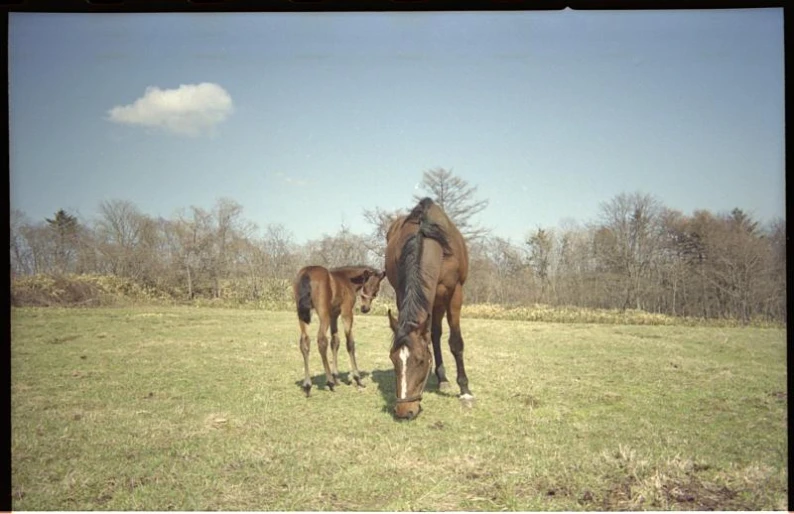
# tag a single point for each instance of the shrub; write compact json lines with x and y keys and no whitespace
{"x":81,"y":291}
{"x":275,"y":294}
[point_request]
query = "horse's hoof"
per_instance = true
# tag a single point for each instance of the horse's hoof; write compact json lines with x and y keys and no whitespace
{"x":308,"y":390}
{"x":467,"y":400}
{"x":330,"y":386}
{"x":336,"y":379}
{"x":443,"y":386}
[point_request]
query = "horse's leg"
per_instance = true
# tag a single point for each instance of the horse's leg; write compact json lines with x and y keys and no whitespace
{"x":304,"y":346}
{"x":456,"y":341}
{"x":334,"y":347}
{"x":322,"y":345}
{"x":435,"y":336}
{"x":347,"y":319}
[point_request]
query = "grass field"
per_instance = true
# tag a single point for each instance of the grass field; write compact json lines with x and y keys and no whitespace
{"x":201,"y":409}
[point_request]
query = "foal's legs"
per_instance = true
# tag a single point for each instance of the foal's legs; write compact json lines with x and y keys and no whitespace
{"x":322,"y":345}
{"x":347,"y":319}
{"x":334,"y":347}
{"x":435,"y":336}
{"x":456,"y":340}
{"x":304,"y":346}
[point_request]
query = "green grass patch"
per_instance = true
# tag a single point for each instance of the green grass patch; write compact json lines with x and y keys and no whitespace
{"x":181,"y":408}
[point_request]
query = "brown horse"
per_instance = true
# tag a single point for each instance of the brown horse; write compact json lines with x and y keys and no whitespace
{"x":331,"y":293}
{"x":427,"y":263}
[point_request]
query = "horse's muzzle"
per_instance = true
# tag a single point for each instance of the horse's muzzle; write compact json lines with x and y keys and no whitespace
{"x":407,"y":410}
{"x":364,"y":309}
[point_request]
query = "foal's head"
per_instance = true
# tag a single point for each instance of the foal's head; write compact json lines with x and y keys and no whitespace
{"x":369,"y":283}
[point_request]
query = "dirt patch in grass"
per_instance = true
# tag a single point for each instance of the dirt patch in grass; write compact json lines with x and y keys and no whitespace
{"x":678,"y":484}
{"x":527,"y":400}
{"x":687,"y":493}
{"x":62,"y":339}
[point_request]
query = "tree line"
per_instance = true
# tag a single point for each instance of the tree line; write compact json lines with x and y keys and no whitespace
{"x":637,"y":254}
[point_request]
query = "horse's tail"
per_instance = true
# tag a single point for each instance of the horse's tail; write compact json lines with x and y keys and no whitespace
{"x":304,"y":299}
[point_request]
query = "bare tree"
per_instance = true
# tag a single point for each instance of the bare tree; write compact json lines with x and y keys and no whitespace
{"x":637,"y":254}
{"x":540,"y":245}
{"x":278,"y":248}
{"x":672,"y":266}
{"x":577,"y":281}
{"x":380,"y":220}
{"x":173,"y":255}
{"x":119,"y":231}
{"x":512,"y":276}
{"x":226,"y":215}
{"x":40,"y":247}
{"x":481,"y":286}
{"x":19,"y":250}
{"x":65,"y":230}
{"x":342,"y":249}
{"x":457,"y":198}
{"x":776,"y":239}
{"x":628,"y":240}
{"x":150,"y":254}
{"x":737,"y":260}
{"x":194,"y":232}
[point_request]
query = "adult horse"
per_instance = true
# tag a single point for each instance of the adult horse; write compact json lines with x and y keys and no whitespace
{"x":427,"y":263}
{"x":331,"y":293}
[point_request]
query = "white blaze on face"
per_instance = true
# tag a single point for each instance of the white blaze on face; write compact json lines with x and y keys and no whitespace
{"x":403,"y":380}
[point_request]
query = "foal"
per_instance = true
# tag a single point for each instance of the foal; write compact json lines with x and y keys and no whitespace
{"x":331,"y":292}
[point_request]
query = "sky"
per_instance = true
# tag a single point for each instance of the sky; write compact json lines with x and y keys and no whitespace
{"x":308,"y":119}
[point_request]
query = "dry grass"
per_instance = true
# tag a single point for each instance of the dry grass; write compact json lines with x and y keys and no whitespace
{"x":179,"y":408}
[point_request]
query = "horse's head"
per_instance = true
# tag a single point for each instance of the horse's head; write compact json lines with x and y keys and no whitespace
{"x":370,"y":285}
{"x":412,"y":357}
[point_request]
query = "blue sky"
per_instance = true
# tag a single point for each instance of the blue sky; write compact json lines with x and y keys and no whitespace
{"x":308,"y":119}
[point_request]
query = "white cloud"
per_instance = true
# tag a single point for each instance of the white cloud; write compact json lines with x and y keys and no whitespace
{"x":190,"y":109}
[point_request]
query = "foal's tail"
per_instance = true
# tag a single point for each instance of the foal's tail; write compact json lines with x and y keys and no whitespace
{"x":304,"y":299}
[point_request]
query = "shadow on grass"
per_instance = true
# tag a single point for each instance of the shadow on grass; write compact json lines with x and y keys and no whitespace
{"x":387,"y":388}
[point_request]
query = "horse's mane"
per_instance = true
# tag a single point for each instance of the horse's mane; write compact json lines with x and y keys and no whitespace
{"x":411,"y":281}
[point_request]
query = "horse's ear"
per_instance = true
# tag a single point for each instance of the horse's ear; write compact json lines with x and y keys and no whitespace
{"x":423,"y":326}
{"x":361,"y":278}
{"x":425,"y":331}
{"x":392,"y":322}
